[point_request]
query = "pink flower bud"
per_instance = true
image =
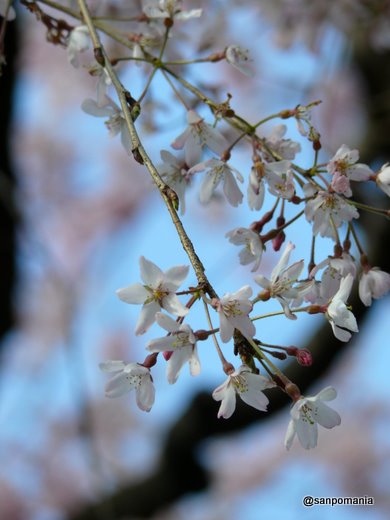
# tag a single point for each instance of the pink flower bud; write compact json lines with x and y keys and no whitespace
{"x":304,"y":357}
{"x":167,"y":354}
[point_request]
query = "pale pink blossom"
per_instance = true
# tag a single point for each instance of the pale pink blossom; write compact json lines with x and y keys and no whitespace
{"x":233,"y":310}
{"x":216,"y":172}
{"x":373,"y":283}
{"x":130,"y":376}
{"x":279,"y":177}
{"x":176,"y":175}
{"x":326,"y":208}
{"x":181,"y":342}
{"x":280,"y":286}
{"x":344,"y":167}
{"x":239,"y":58}
{"x":285,"y":148}
{"x":383,"y":179}
{"x":256,"y":189}
{"x":79,"y":41}
{"x":336,"y":268}
{"x":248,"y":386}
{"x":156,"y":293}
{"x":169,"y":9}
{"x":197,"y":136}
{"x":253,"y":247}
{"x":341,"y":319}
{"x":307,"y":413}
{"x":115,"y":123}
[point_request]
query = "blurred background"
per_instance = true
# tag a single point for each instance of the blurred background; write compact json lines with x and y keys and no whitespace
{"x":76,"y":214}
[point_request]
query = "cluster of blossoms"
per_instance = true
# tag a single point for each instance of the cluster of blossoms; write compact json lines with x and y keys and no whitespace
{"x":325,"y":194}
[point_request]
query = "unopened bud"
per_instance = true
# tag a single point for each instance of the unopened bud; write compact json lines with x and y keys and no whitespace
{"x":201,"y":334}
{"x":167,"y":355}
{"x":304,"y":357}
{"x":278,"y":355}
{"x":278,"y":241}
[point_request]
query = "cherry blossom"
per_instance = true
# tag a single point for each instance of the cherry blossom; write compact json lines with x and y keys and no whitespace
{"x":181,"y":343}
{"x":285,"y":148}
{"x":340,"y":317}
{"x":280,"y":179}
{"x":158,"y":291}
{"x":336,"y":268}
{"x":169,"y":9}
{"x":115,"y":123}
{"x":256,"y":189}
{"x":282,"y":280}
{"x":196,"y":136}
{"x":78,"y":42}
{"x":217,"y":172}
{"x":344,"y":167}
{"x":130,"y":376}
{"x":383,"y":179}
{"x":176,"y":175}
{"x":239,"y":58}
{"x":253,"y":246}
{"x":373,"y":283}
{"x":248,"y":386}
{"x":307,"y":413}
{"x":233,"y":310}
{"x":326,"y":208}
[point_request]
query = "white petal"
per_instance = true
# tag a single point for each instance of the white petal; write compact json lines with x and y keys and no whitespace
{"x":151,"y":274}
{"x":119,"y":385}
{"x":176,"y":362}
{"x":146,"y":317}
{"x":231,"y":190}
{"x":326,"y":416}
{"x":166,"y":322}
{"x":145,"y":394}
{"x":244,"y":325}
{"x":133,"y":294}
{"x":290,"y":434}
{"x":262,"y":281}
{"x":176,"y":275}
{"x":307,"y":434}
{"x":194,"y":362}
{"x":207,"y":189}
{"x":112,"y":366}
{"x":161,"y":344}
{"x":283,"y":261}
{"x":228,"y":404}
{"x":226,"y":329}
{"x":327,"y":394}
{"x":172,"y":304}
{"x":341,"y":334}
{"x":89,"y":106}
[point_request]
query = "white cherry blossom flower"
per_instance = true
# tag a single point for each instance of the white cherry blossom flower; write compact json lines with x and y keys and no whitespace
{"x":3,"y":9}
{"x":280,"y":179}
{"x":336,"y":268}
{"x":325,"y":208}
{"x":196,"y":136}
{"x":253,"y":246}
{"x":307,"y":413}
{"x":373,"y":283}
{"x":383,"y":179}
{"x":181,"y":343}
{"x":233,"y":310}
{"x":344,"y":167}
{"x":169,"y":9}
{"x":130,"y":376}
{"x":216,"y":172}
{"x":239,"y":58}
{"x":340,"y":317}
{"x":286,"y":148}
{"x":248,"y":386}
{"x":282,"y":280}
{"x":115,"y":123}
{"x":78,"y":42}
{"x":176,"y":175}
{"x":256,"y":189}
{"x":157,"y":292}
